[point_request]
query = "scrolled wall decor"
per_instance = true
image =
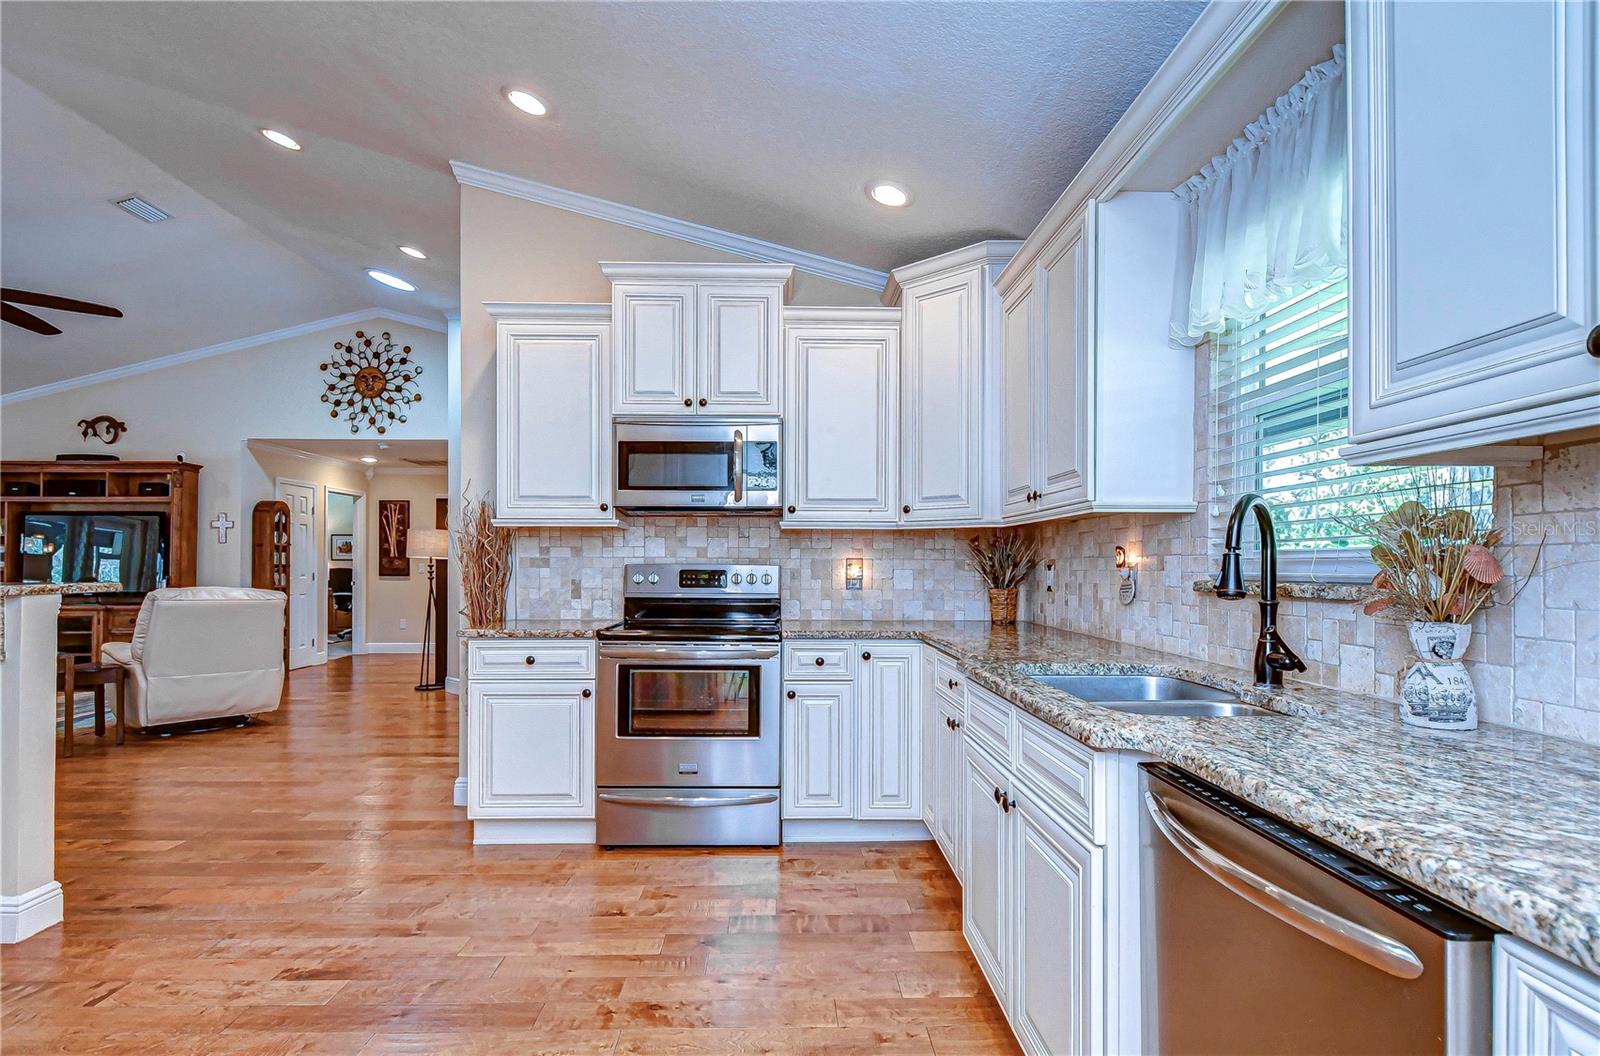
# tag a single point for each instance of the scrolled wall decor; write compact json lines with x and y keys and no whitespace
{"x":370,"y":382}
{"x":103,"y":427}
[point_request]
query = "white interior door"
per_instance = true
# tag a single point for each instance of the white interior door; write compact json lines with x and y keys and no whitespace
{"x":303,"y":579}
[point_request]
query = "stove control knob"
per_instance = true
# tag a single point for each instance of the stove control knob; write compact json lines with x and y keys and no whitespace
{"x":737,"y":579}
{"x":766,"y":579}
{"x":638,"y":577}
{"x":654,"y":578}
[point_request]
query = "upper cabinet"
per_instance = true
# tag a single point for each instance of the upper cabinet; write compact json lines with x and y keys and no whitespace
{"x":1097,"y":406}
{"x":840,"y":417}
{"x":949,"y":372}
{"x":697,"y":338}
{"x":1474,"y":235}
{"x":552,"y":426}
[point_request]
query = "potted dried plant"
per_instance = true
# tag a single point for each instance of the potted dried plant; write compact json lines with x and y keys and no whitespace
{"x":1436,"y":570}
{"x":1004,"y":561}
{"x":485,"y":552}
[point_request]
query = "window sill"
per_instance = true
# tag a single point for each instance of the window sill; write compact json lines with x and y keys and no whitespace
{"x":1302,"y":589}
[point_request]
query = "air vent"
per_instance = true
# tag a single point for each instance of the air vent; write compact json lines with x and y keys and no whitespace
{"x":143,"y":209}
{"x":429,"y":463}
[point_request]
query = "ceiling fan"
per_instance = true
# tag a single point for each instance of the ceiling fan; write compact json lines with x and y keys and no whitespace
{"x":10,"y":313}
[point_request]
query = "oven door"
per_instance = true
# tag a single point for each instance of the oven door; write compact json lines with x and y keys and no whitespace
{"x":710,"y":466}
{"x":687,"y":715}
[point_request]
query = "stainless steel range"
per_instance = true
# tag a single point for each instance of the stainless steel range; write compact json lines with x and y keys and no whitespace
{"x":686,"y":724}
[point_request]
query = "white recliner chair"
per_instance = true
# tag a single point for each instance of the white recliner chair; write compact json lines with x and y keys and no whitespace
{"x":202,"y":653}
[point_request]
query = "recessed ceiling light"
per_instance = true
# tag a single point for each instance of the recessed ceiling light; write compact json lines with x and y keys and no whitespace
{"x":888,"y":194}
{"x":392,"y":281}
{"x":368,"y":459}
{"x":413,"y":251}
{"x":527,"y":102}
{"x":274,"y":136}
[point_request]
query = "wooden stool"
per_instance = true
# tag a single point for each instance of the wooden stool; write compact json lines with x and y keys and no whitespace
{"x":71,"y":675}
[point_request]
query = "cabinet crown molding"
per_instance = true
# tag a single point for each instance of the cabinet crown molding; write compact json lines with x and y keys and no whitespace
{"x":668,"y":271}
{"x":549,"y":312}
{"x":994,"y":251}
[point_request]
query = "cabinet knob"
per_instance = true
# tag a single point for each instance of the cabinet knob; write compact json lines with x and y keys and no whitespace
{"x":955,"y":724}
{"x":702,"y":401}
{"x":528,"y":660}
{"x":906,"y":508}
{"x":1594,"y":342}
{"x":997,"y":796}
{"x":949,"y":723}
{"x":688,"y":402}
{"x":604,"y":506}
{"x":1006,"y":803}
{"x":587,"y":694}
{"x":952,"y":683}
{"x":791,"y":509}
{"x":866,"y":656}
{"x":820,"y":661}
{"x":790,"y":694}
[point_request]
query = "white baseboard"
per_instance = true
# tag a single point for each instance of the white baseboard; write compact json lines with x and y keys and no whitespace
{"x":849,"y":830}
{"x":532,"y":830}
{"x":452,"y":684}
{"x":459,"y":795}
{"x":394,"y":647}
{"x":31,"y":912}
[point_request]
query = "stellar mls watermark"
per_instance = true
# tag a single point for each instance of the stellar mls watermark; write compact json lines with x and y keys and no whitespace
{"x":1556,"y":528}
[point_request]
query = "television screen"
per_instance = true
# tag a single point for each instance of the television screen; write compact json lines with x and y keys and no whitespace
{"x":128,"y":549}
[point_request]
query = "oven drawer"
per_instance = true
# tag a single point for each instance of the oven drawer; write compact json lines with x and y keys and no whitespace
{"x":830,"y":661}
{"x":525,"y":658}
{"x":714,"y":817}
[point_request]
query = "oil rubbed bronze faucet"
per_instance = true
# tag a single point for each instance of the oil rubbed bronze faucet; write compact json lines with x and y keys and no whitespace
{"x":1273,"y":657}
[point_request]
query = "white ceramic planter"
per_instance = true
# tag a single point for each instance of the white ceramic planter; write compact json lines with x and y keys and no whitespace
{"x":1437,"y":692}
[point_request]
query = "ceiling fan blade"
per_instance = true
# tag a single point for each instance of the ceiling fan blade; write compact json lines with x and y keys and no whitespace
{"x":26,"y":320}
{"x":60,"y":304}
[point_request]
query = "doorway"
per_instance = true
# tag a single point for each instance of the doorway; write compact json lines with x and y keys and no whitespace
{"x":344,"y":591}
{"x":305,"y":557}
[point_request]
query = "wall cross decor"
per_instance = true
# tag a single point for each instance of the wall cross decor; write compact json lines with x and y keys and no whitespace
{"x":222,"y":524}
{"x":369,"y":382}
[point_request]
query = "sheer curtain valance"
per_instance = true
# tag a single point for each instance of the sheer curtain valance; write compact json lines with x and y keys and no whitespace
{"x":1270,"y":216}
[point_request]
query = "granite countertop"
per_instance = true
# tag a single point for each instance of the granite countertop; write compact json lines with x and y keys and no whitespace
{"x":540,"y":629}
{"x":1504,"y":823}
{"x":25,"y":590}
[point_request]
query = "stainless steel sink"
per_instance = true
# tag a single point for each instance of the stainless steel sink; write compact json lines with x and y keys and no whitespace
{"x":1154,"y":695}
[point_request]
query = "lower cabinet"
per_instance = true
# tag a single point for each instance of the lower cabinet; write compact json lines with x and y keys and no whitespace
{"x":942,"y":778}
{"x":818,"y":779}
{"x":1543,"y":1006}
{"x":888,"y":734}
{"x":985,"y":909}
{"x":530,"y":746}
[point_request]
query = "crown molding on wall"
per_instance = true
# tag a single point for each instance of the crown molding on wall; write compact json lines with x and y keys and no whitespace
{"x":220,"y":349}
{"x":655,"y":223}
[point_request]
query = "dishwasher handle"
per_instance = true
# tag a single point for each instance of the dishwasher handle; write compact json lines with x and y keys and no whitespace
{"x":1361,"y":942}
{"x":689,"y":801}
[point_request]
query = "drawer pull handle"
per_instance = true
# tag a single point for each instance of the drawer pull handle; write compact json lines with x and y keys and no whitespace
{"x":820,"y":661}
{"x":866,"y":656}
{"x":790,"y":694}
{"x":530,"y":661}
{"x":1593,"y":344}
{"x":587,"y":694}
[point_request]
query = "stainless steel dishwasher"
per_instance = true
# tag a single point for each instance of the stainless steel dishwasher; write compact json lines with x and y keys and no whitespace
{"x":1263,"y":939}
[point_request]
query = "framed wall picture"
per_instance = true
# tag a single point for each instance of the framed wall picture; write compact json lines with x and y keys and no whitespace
{"x":394,"y":520}
{"x":341,"y":547}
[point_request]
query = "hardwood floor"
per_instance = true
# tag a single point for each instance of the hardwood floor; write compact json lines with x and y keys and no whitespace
{"x":305,"y":886}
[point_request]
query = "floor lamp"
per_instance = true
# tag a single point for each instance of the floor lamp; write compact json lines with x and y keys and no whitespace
{"x":431,"y":545}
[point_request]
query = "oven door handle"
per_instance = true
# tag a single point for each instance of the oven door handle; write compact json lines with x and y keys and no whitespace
{"x":678,"y":652}
{"x":690,"y":801}
{"x":1323,"y":924}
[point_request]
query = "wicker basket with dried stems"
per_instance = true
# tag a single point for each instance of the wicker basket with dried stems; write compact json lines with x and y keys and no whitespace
{"x":1004,"y":561}
{"x":485,"y":551}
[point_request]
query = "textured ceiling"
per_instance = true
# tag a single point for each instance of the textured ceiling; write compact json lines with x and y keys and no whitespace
{"x":762,"y":118}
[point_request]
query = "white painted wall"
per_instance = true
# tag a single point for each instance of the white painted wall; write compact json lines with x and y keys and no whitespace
{"x":393,"y":601}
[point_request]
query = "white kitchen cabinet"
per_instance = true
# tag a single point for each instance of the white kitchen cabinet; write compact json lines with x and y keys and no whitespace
{"x":698,"y":338}
{"x":1543,"y":1006}
{"x":949,"y":374}
{"x":840,"y":424}
{"x":818,"y":764}
{"x":552,"y":429}
{"x":533,"y":744}
{"x":1058,"y":964}
{"x":985,"y":899}
{"x":889,"y":738}
{"x":1474,"y":277}
{"x":1097,"y":406}
{"x":942,"y":780}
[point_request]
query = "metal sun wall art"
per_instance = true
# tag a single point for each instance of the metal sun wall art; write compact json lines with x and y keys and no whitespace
{"x":370,"y":383}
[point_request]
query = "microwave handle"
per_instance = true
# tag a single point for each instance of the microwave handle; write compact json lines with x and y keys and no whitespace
{"x":738,"y":467}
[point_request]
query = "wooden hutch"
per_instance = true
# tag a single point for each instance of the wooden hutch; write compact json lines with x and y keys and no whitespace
{"x":168,"y":488}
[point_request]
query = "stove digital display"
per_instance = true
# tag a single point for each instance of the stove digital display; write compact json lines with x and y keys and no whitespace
{"x":702,"y":577}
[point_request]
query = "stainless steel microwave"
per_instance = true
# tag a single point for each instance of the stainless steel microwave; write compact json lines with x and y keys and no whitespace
{"x":717,"y":465}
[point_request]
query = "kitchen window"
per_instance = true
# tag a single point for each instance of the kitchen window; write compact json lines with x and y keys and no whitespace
{"x":1280,"y":398}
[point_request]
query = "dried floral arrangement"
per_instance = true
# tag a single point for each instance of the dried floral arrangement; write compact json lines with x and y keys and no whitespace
{"x":1437,"y":567}
{"x":1004,"y":559}
{"x":485,"y":551}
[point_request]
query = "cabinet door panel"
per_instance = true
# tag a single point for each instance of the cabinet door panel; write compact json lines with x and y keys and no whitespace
{"x":553,"y":443}
{"x":1543,"y":1006}
{"x":840,"y":427}
{"x":984,"y":903}
{"x":740,"y":351}
{"x":532,"y":749}
{"x":1018,"y":404}
{"x":1473,"y":284}
{"x":1063,"y":352}
{"x":888,"y":742}
{"x":818,"y":778}
{"x":945,"y":783}
{"x":655,"y":346}
{"x":941,"y":398}
{"x":1056,"y":912}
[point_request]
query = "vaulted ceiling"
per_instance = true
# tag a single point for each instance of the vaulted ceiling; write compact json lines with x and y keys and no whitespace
{"x":766,"y":119}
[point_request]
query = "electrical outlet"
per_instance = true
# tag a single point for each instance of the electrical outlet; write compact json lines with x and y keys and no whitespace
{"x":404,"y":624}
{"x":1050,"y":577}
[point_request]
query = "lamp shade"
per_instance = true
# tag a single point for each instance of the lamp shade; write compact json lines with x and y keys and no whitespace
{"x":428,"y":544}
